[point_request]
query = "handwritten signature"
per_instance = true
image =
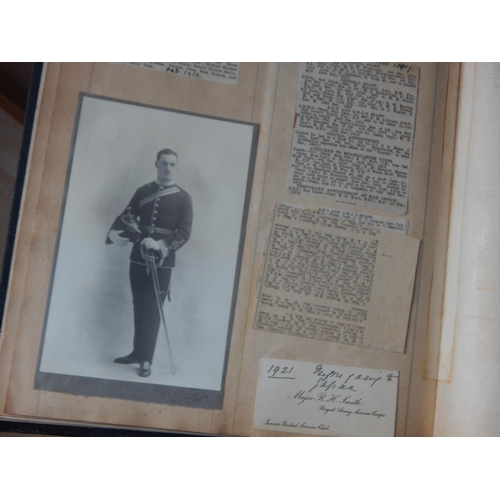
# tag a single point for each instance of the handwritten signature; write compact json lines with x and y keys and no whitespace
{"x":299,"y":425}
{"x":330,"y":380}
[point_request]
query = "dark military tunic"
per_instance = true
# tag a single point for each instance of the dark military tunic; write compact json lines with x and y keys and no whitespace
{"x":166,"y":215}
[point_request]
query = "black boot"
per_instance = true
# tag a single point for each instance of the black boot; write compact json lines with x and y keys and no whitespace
{"x":126,"y":360}
{"x":145,"y":369}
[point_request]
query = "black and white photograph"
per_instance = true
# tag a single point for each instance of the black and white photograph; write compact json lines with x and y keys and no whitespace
{"x":146,"y":268}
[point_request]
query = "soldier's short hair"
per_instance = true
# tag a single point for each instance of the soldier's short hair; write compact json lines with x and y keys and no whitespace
{"x":165,"y":151}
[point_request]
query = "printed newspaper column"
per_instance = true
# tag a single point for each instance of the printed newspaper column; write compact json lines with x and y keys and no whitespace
{"x":332,"y":279}
{"x":353,"y":133}
{"x":399,"y":225}
{"x":222,"y":72}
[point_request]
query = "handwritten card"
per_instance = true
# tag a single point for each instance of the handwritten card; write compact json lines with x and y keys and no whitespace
{"x":328,"y":400}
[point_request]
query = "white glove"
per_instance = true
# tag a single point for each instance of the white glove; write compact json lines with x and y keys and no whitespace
{"x":150,"y":244}
{"x":115,"y":237}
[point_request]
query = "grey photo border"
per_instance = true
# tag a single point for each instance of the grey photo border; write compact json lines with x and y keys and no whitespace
{"x":136,"y":391}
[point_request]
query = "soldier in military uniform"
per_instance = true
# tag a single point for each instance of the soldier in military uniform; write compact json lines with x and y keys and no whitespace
{"x":158,"y":222}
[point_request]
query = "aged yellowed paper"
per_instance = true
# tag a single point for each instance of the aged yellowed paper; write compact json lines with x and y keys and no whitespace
{"x":326,"y":400}
{"x":332,"y":279}
{"x":467,"y":402}
{"x":265,"y":94}
{"x":353,"y":133}
{"x":226,"y":72}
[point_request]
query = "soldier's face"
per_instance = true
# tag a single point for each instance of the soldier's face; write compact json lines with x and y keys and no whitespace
{"x":166,"y":166}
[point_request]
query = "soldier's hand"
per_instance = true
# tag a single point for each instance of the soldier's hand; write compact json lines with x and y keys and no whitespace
{"x":117,"y":238}
{"x":150,"y":244}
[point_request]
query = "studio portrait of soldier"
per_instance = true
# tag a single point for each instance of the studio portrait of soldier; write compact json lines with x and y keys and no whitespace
{"x":158,"y":222}
{"x":142,"y":300}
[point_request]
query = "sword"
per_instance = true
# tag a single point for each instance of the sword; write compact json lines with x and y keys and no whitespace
{"x":156,"y":284}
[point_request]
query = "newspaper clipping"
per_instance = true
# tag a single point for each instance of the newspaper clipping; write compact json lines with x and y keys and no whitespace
{"x":353,"y":133}
{"x":222,"y":72}
{"x":333,"y":279}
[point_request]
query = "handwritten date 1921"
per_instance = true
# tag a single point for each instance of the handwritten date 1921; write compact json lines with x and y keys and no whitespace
{"x":276,"y":370}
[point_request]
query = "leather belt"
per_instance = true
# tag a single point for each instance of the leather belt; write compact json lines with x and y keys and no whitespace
{"x":158,"y":230}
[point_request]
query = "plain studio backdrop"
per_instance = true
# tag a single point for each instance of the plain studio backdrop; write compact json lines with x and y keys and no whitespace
{"x":90,"y":318}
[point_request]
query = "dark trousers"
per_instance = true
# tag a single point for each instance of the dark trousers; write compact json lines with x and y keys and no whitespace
{"x":146,"y":313}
